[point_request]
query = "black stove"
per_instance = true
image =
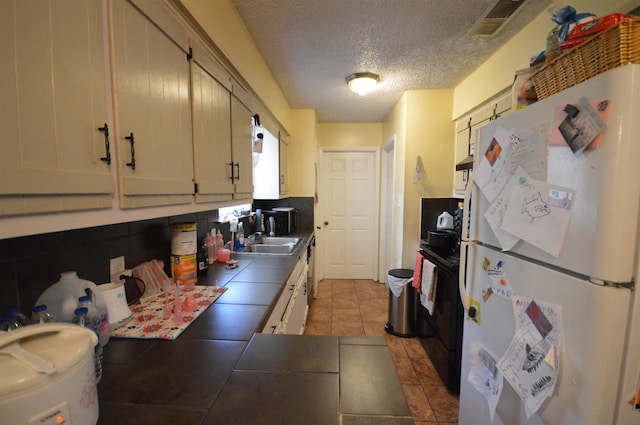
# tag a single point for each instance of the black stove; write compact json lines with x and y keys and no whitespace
{"x":441,"y":332}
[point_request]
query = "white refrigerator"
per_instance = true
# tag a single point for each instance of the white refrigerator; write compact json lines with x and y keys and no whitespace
{"x":588,"y":274}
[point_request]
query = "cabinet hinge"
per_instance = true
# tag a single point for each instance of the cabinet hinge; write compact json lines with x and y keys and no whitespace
{"x":190,"y":54}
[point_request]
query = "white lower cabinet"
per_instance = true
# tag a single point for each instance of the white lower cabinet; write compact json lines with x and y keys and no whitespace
{"x":289,"y":315}
{"x":295,"y":317}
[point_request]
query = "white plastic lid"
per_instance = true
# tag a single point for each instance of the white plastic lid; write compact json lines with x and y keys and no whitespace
{"x":35,"y":354}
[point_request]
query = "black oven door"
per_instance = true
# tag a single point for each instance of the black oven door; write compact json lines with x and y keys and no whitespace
{"x":442,"y":329}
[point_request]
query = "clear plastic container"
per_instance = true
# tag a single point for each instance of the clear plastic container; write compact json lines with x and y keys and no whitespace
{"x":103,"y":317}
{"x":62,"y":300}
{"x":8,"y":323}
{"x":224,"y":255}
{"x":241,"y":234}
{"x":210,"y":242}
{"x":219,"y":244}
{"x":18,"y":315}
{"x":41,"y":314}
{"x":96,"y":317}
{"x":82,"y":318}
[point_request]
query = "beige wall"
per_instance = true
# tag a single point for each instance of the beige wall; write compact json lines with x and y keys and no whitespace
{"x":349,"y":134}
{"x":497,"y":73}
{"x":302,"y":152}
{"x":430,"y":135}
{"x":421,"y":124}
{"x":394,"y":128}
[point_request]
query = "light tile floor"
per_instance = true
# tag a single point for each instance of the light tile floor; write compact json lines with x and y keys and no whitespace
{"x":360,"y":308}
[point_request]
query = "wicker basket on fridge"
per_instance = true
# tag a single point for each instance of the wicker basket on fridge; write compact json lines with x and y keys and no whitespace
{"x":611,"y":48}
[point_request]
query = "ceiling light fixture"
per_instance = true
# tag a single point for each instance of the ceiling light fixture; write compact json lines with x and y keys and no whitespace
{"x":362,"y":82}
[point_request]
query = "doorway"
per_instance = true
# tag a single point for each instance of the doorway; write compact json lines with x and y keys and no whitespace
{"x":386,"y":210}
{"x":348,"y":198}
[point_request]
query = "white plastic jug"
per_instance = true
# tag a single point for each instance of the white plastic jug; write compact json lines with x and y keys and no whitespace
{"x":61,"y":299}
{"x":445,"y":221}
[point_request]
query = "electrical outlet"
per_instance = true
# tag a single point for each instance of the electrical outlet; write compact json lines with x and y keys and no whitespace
{"x":116,"y":266}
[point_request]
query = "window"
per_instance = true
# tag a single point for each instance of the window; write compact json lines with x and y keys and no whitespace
{"x":226,"y":213}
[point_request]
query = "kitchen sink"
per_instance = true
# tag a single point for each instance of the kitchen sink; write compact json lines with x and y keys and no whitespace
{"x":272,"y":245}
{"x":279,"y":240}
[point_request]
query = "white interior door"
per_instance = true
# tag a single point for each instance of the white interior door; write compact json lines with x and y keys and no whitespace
{"x":349,"y":214}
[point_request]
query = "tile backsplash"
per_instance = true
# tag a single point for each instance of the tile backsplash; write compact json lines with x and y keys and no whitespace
{"x":431,"y":209}
{"x":30,"y":264}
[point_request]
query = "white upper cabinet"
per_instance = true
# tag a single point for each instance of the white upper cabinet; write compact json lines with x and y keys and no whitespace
{"x":284,"y":167}
{"x":152,"y":105}
{"x":270,"y":177}
{"x":211,"y":97}
{"x":241,"y":145}
{"x":52,"y":104}
{"x":466,"y":128}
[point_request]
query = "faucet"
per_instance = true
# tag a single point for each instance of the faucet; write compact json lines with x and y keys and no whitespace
{"x":272,"y":226}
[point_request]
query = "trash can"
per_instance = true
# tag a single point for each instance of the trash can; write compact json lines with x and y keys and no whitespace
{"x":402,"y":303}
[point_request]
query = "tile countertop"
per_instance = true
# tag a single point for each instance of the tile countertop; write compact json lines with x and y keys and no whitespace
{"x":220,"y":371}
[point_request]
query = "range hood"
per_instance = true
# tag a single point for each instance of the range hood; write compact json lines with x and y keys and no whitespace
{"x":465,"y":164}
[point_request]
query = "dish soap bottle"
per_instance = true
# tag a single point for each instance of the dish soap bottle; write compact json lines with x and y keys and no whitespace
{"x":240,"y":240}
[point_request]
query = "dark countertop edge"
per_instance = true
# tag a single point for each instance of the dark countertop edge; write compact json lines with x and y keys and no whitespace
{"x":291,"y":260}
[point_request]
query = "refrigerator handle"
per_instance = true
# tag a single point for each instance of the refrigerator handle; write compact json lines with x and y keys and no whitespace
{"x":467,"y":205}
{"x":462,"y":276}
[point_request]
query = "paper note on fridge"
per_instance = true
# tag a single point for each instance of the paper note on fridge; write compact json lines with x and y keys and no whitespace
{"x":579,"y":126}
{"x":507,"y":151}
{"x":529,"y":366}
{"x":538,"y":212}
{"x":484,"y":376}
{"x":495,"y":215}
{"x":493,"y":172}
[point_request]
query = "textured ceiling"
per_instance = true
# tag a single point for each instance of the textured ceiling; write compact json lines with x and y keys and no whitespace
{"x":311,"y":46}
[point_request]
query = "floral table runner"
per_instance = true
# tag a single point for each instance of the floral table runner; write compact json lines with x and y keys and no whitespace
{"x":160,"y":317}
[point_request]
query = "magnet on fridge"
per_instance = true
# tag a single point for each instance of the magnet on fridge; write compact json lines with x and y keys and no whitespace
{"x":486,"y":263}
{"x":474,"y":310}
{"x":487,"y":294}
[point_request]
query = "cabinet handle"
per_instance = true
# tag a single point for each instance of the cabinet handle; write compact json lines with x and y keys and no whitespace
{"x":238,"y":165}
{"x":131,"y":140}
{"x":105,"y":131}
{"x":281,"y":178}
{"x":233,"y":176}
{"x":291,"y":288}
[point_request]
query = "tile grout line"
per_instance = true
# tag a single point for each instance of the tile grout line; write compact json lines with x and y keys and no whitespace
{"x":360,"y":294}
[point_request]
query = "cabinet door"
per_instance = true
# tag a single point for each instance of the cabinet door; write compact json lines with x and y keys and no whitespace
{"x":461,"y":152}
{"x":296,"y":316}
{"x":266,"y":169}
{"x":52,"y":103}
{"x":153,"y":111}
{"x":241,"y":149}
{"x":284,"y":168}
{"x":211,"y":109}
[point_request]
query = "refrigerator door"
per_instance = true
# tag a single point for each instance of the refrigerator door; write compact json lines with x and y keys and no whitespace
{"x":600,"y":240}
{"x":594,"y":322}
